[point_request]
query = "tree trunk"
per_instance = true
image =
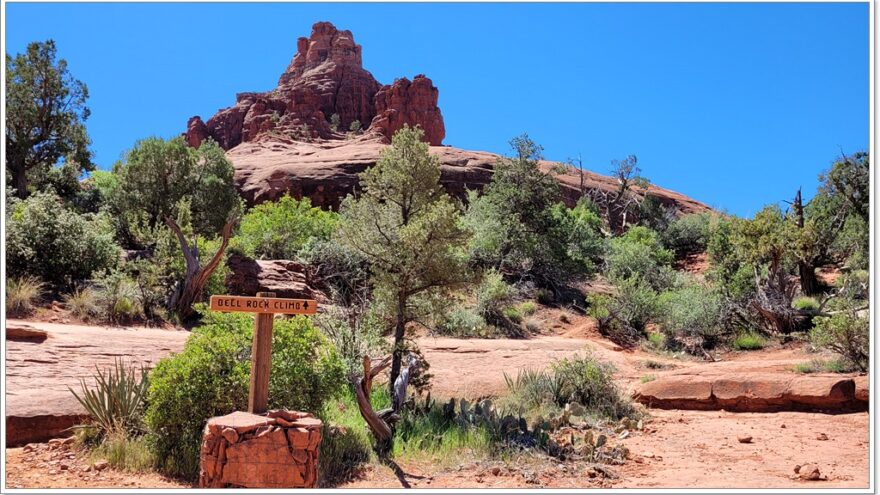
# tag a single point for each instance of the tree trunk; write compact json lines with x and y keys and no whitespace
{"x":809,"y":281}
{"x":196,"y":276}
{"x":381,"y":424}
{"x":399,"y":333}
{"x":20,"y":177}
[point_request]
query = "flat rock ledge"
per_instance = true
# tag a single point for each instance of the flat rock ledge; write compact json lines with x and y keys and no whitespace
{"x":756,"y":393}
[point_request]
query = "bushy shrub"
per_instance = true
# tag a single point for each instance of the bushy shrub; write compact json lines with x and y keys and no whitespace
{"x":513,"y":313}
{"x":61,"y":247}
{"x":639,"y":254}
{"x":355,"y":331}
{"x":117,"y":296}
{"x":688,"y":233}
{"x":22,"y":294}
{"x":280,"y":229}
{"x":845,"y":333}
{"x":624,"y":316}
{"x":339,"y":269}
{"x":805,"y":303}
{"x":463,"y":322}
{"x":493,"y":294}
{"x":691,"y":314}
{"x":582,"y":379}
{"x":211,"y":377}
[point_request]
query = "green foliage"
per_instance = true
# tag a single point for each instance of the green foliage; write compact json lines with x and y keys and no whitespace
{"x":334,"y":122}
{"x":749,"y":342}
{"x":692,"y":311}
{"x":355,"y":331}
{"x":519,"y":227}
{"x":493,"y":295}
{"x":280,"y":229}
{"x":805,"y":303}
{"x":464,"y":322}
{"x":158,"y":177}
{"x":846,"y":334}
{"x":83,"y":303}
{"x":117,"y":296}
{"x":125,"y":453}
{"x":211,"y":376}
{"x":648,"y":378}
{"x":355,"y":127}
{"x":729,"y":272}
{"x":513,"y":313}
{"x":22,"y":295}
{"x":46,"y":240}
{"x":527,"y":308}
{"x":407,"y":228}
{"x":116,"y":403}
{"x":688,"y":233}
{"x":839,"y":365}
{"x":346,"y":441}
{"x":624,"y":316}
{"x":45,"y":116}
{"x":639,"y":254}
{"x":581,"y":379}
{"x":342,"y":270}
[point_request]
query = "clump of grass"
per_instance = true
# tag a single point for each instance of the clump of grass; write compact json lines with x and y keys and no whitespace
{"x":83,"y":303}
{"x":749,"y":342}
{"x":648,"y":378}
{"x":22,"y":295}
{"x":805,"y":303}
{"x":117,"y":400}
{"x":544,"y":296}
{"x":432,"y":436}
{"x":125,"y":453}
{"x":836,"y":365}
{"x":347,"y":443}
{"x":533,"y":325}
{"x":527,"y":308}
{"x":513,"y":313}
{"x":656,"y":341}
{"x":655,"y":365}
{"x":563,"y":318}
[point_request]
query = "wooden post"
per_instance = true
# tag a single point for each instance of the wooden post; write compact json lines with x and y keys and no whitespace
{"x":261,"y":361}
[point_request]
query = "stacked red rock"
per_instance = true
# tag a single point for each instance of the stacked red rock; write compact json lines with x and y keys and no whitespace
{"x":243,"y":450}
{"x":405,"y":102}
{"x":325,"y":77}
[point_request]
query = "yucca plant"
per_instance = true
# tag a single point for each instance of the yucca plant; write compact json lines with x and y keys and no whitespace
{"x":117,"y":399}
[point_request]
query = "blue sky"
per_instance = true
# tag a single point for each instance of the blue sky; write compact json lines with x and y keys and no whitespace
{"x":736,"y":105}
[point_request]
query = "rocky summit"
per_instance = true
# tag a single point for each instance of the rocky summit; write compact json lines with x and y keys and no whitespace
{"x":284,"y":141}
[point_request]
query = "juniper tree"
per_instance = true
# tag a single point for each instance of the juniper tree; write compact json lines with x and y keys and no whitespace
{"x":407,"y":227}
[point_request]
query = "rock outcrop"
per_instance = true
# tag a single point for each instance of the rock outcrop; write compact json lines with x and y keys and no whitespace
{"x":282,"y":141}
{"x":285,"y":278}
{"x":325,"y":77}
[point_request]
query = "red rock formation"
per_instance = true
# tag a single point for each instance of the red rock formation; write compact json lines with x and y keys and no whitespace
{"x":413,"y":103}
{"x":325,"y":77}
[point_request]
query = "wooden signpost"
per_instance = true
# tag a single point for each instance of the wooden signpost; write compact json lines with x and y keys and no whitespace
{"x":265,"y":305}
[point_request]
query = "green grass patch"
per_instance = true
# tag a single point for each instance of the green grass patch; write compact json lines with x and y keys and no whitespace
{"x":125,"y":453}
{"x":648,"y":378}
{"x":805,"y":303}
{"x":513,"y":313}
{"x":836,"y":365}
{"x":527,"y":308}
{"x":749,"y":342}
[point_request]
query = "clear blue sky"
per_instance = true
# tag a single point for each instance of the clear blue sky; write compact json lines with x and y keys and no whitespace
{"x":736,"y":105}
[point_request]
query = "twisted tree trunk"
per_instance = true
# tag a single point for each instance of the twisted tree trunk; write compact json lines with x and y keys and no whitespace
{"x":381,"y":423}
{"x":196,"y":276}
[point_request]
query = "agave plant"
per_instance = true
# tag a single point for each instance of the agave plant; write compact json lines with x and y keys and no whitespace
{"x":116,"y":400}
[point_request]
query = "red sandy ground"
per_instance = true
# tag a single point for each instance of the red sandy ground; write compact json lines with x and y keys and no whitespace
{"x":693,"y":449}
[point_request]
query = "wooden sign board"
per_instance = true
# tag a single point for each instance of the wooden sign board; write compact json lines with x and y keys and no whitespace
{"x":245,"y":304}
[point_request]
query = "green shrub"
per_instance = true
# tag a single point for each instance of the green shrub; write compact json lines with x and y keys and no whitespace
{"x":347,"y":443}
{"x":116,"y":403}
{"x":691,"y":312}
{"x":623,"y":317}
{"x":280,"y":229}
{"x":845,"y":333}
{"x":463,"y":322}
{"x":639,"y":254}
{"x":83,"y":303}
{"x":125,"y":453}
{"x":22,"y":295}
{"x":544,"y":296}
{"x":117,"y":296}
{"x":805,"y":303}
{"x":688,"y":233}
{"x":513,"y":314}
{"x":355,"y":331}
{"x":493,"y":294}
{"x":838,"y":365}
{"x":527,"y":308}
{"x":211,"y":378}
{"x":749,"y":342}
{"x":648,"y":378}
{"x":341,"y":270}
{"x":581,"y":379}
{"x":56,"y":245}
{"x":533,"y":325}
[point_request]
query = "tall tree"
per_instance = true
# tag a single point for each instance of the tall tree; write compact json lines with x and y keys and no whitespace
{"x":407,"y":227}
{"x":45,"y":115}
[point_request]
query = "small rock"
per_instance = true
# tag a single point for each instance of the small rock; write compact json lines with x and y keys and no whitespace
{"x":745,"y":439}
{"x":782,"y":425}
{"x":496,"y":470}
{"x":821,"y":436}
{"x":63,"y":467}
{"x":53,"y":472}
{"x":88,"y":469}
{"x":623,"y":434}
{"x":809,"y":472}
{"x":101,"y":465}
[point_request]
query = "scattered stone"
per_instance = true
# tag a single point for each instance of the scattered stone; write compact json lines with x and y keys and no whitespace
{"x":821,"y":436}
{"x":53,"y":472}
{"x":744,"y":439}
{"x":496,"y":470}
{"x":623,"y":435}
{"x":782,"y":425}
{"x":809,"y":472}
{"x":101,"y":465}
{"x":63,"y":467}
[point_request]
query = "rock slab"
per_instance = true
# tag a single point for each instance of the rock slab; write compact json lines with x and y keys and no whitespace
{"x":243,"y":450}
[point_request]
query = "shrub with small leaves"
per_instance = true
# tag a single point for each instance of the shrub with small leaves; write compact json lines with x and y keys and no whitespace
{"x":847,"y":334}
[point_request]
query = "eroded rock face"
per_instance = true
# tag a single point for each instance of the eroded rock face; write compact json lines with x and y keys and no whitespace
{"x":325,"y":77}
{"x":409,"y":103}
{"x":283,"y":277}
